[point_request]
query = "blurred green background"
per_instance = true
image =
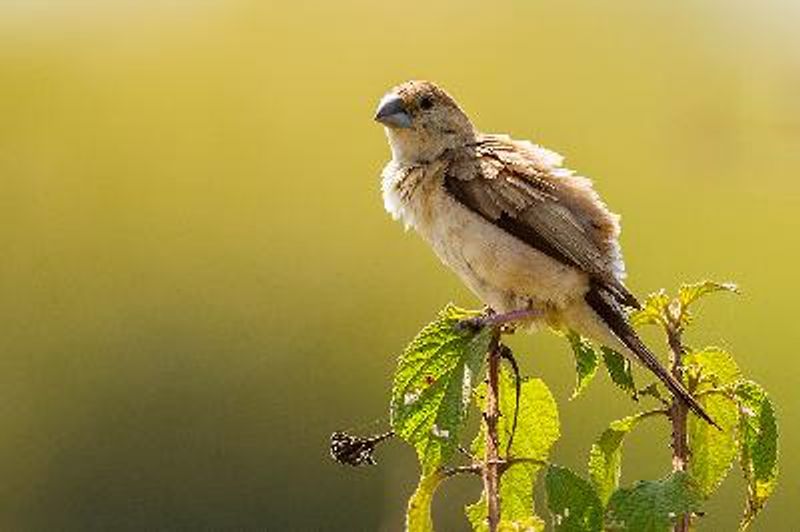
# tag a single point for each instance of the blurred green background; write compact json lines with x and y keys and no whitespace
{"x":198,"y":281}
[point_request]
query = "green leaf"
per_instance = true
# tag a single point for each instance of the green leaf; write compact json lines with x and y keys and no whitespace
{"x":759,"y":447}
{"x":713,"y":450}
{"x":586,"y":362}
{"x":651,"y":390}
{"x":605,"y":456}
{"x":433,"y":384}
{"x":652,"y":505}
{"x":572,"y":501}
{"x":476,"y":514}
{"x":689,"y":293}
{"x":537,"y":431}
{"x":418,"y":514}
{"x":529,"y":524}
{"x":660,"y":309}
{"x":619,"y":369}
{"x":537,"y":423}
{"x":713,"y":367}
{"x":653,"y":311}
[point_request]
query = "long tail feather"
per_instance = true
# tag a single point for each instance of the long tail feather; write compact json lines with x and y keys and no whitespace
{"x":614,"y":317}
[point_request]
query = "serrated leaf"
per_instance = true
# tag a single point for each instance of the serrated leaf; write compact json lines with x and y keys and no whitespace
{"x":653,"y":310}
{"x":652,"y":505}
{"x":572,"y":501}
{"x":433,"y":385}
{"x":605,"y":456}
{"x":529,"y":524}
{"x":537,"y":431}
{"x":476,"y":514}
{"x":713,"y":450}
{"x":651,"y":390}
{"x":418,"y":514}
{"x":537,"y":422}
{"x":759,"y":447}
{"x":689,"y":293}
{"x":586,"y":362}
{"x":619,"y":369}
{"x":714,"y":367}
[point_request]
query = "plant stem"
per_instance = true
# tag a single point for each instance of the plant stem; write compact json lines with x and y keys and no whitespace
{"x":491,"y":464}
{"x":678,"y":414}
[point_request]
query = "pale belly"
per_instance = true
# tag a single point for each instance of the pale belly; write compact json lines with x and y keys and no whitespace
{"x":501,"y":270}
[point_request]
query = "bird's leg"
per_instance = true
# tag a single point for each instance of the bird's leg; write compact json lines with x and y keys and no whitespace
{"x":506,"y":354}
{"x":489,"y":318}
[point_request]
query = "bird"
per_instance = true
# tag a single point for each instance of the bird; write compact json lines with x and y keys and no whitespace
{"x":528,"y":236}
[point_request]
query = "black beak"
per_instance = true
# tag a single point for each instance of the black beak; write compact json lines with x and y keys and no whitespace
{"x":392,"y":112}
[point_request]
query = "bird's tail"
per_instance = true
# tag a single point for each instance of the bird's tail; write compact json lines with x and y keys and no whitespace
{"x":614,"y":317}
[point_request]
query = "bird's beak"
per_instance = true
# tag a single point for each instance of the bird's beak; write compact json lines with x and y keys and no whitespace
{"x":392,"y":112}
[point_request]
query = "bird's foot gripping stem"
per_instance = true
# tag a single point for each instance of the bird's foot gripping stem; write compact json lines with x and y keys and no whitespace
{"x":505,"y":321}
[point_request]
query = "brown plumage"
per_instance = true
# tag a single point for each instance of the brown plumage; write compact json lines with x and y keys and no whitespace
{"x":519,"y":229}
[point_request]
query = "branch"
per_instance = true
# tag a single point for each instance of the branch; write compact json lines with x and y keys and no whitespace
{"x":472,"y":469}
{"x":492,"y":463}
{"x":678,"y":414}
{"x":522,"y":460}
{"x":506,"y":354}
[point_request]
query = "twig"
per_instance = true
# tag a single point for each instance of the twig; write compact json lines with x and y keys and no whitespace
{"x":491,"y":464}
{"x":466,"y":453}
{"x":678,"y":414}
{"x":506,"y":353}
{"x":472,"y":469}
{"x":521,"y":460}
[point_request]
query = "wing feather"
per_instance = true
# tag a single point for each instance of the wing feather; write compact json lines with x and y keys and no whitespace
{"x":523,"y":189}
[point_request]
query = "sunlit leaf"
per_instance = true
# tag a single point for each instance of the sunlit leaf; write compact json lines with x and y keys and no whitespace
{"x":653,"y":310}
{"x":759,"y":447}
{"x":537,"y":431}
{"x":586,"y":362}
{"x":714,"y":367}
{"x":433,"y":385}
{"x":619,"y":369}
{"x":529,"y":524}
{"x":476,"y":514}
{"x":418,"y":514}
{"x":651,"y":390}
{"x":652,"y":505}
{"x":689,"y":293}
{"x":713,"y":450}
{"x":573,"y":502}
{"x":605,"y":456}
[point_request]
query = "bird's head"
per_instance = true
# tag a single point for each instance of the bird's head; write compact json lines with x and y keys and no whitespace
{"x":422,"y":121}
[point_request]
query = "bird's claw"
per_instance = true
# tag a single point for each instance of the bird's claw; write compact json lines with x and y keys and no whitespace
{"x":476,"y":323}
{"x":473,"y":324}
{"x":505,"y":323}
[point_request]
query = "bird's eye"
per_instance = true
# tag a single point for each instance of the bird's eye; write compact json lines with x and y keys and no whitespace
{"x":426,"y":102}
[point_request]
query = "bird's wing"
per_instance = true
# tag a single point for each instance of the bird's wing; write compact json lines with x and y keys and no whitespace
{"x":523,"y":189}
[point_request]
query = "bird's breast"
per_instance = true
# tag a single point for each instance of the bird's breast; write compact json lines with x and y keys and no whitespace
{"x":503,"y":271}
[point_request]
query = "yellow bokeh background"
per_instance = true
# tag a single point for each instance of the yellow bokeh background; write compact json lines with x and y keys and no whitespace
{"x":199,"y":283}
